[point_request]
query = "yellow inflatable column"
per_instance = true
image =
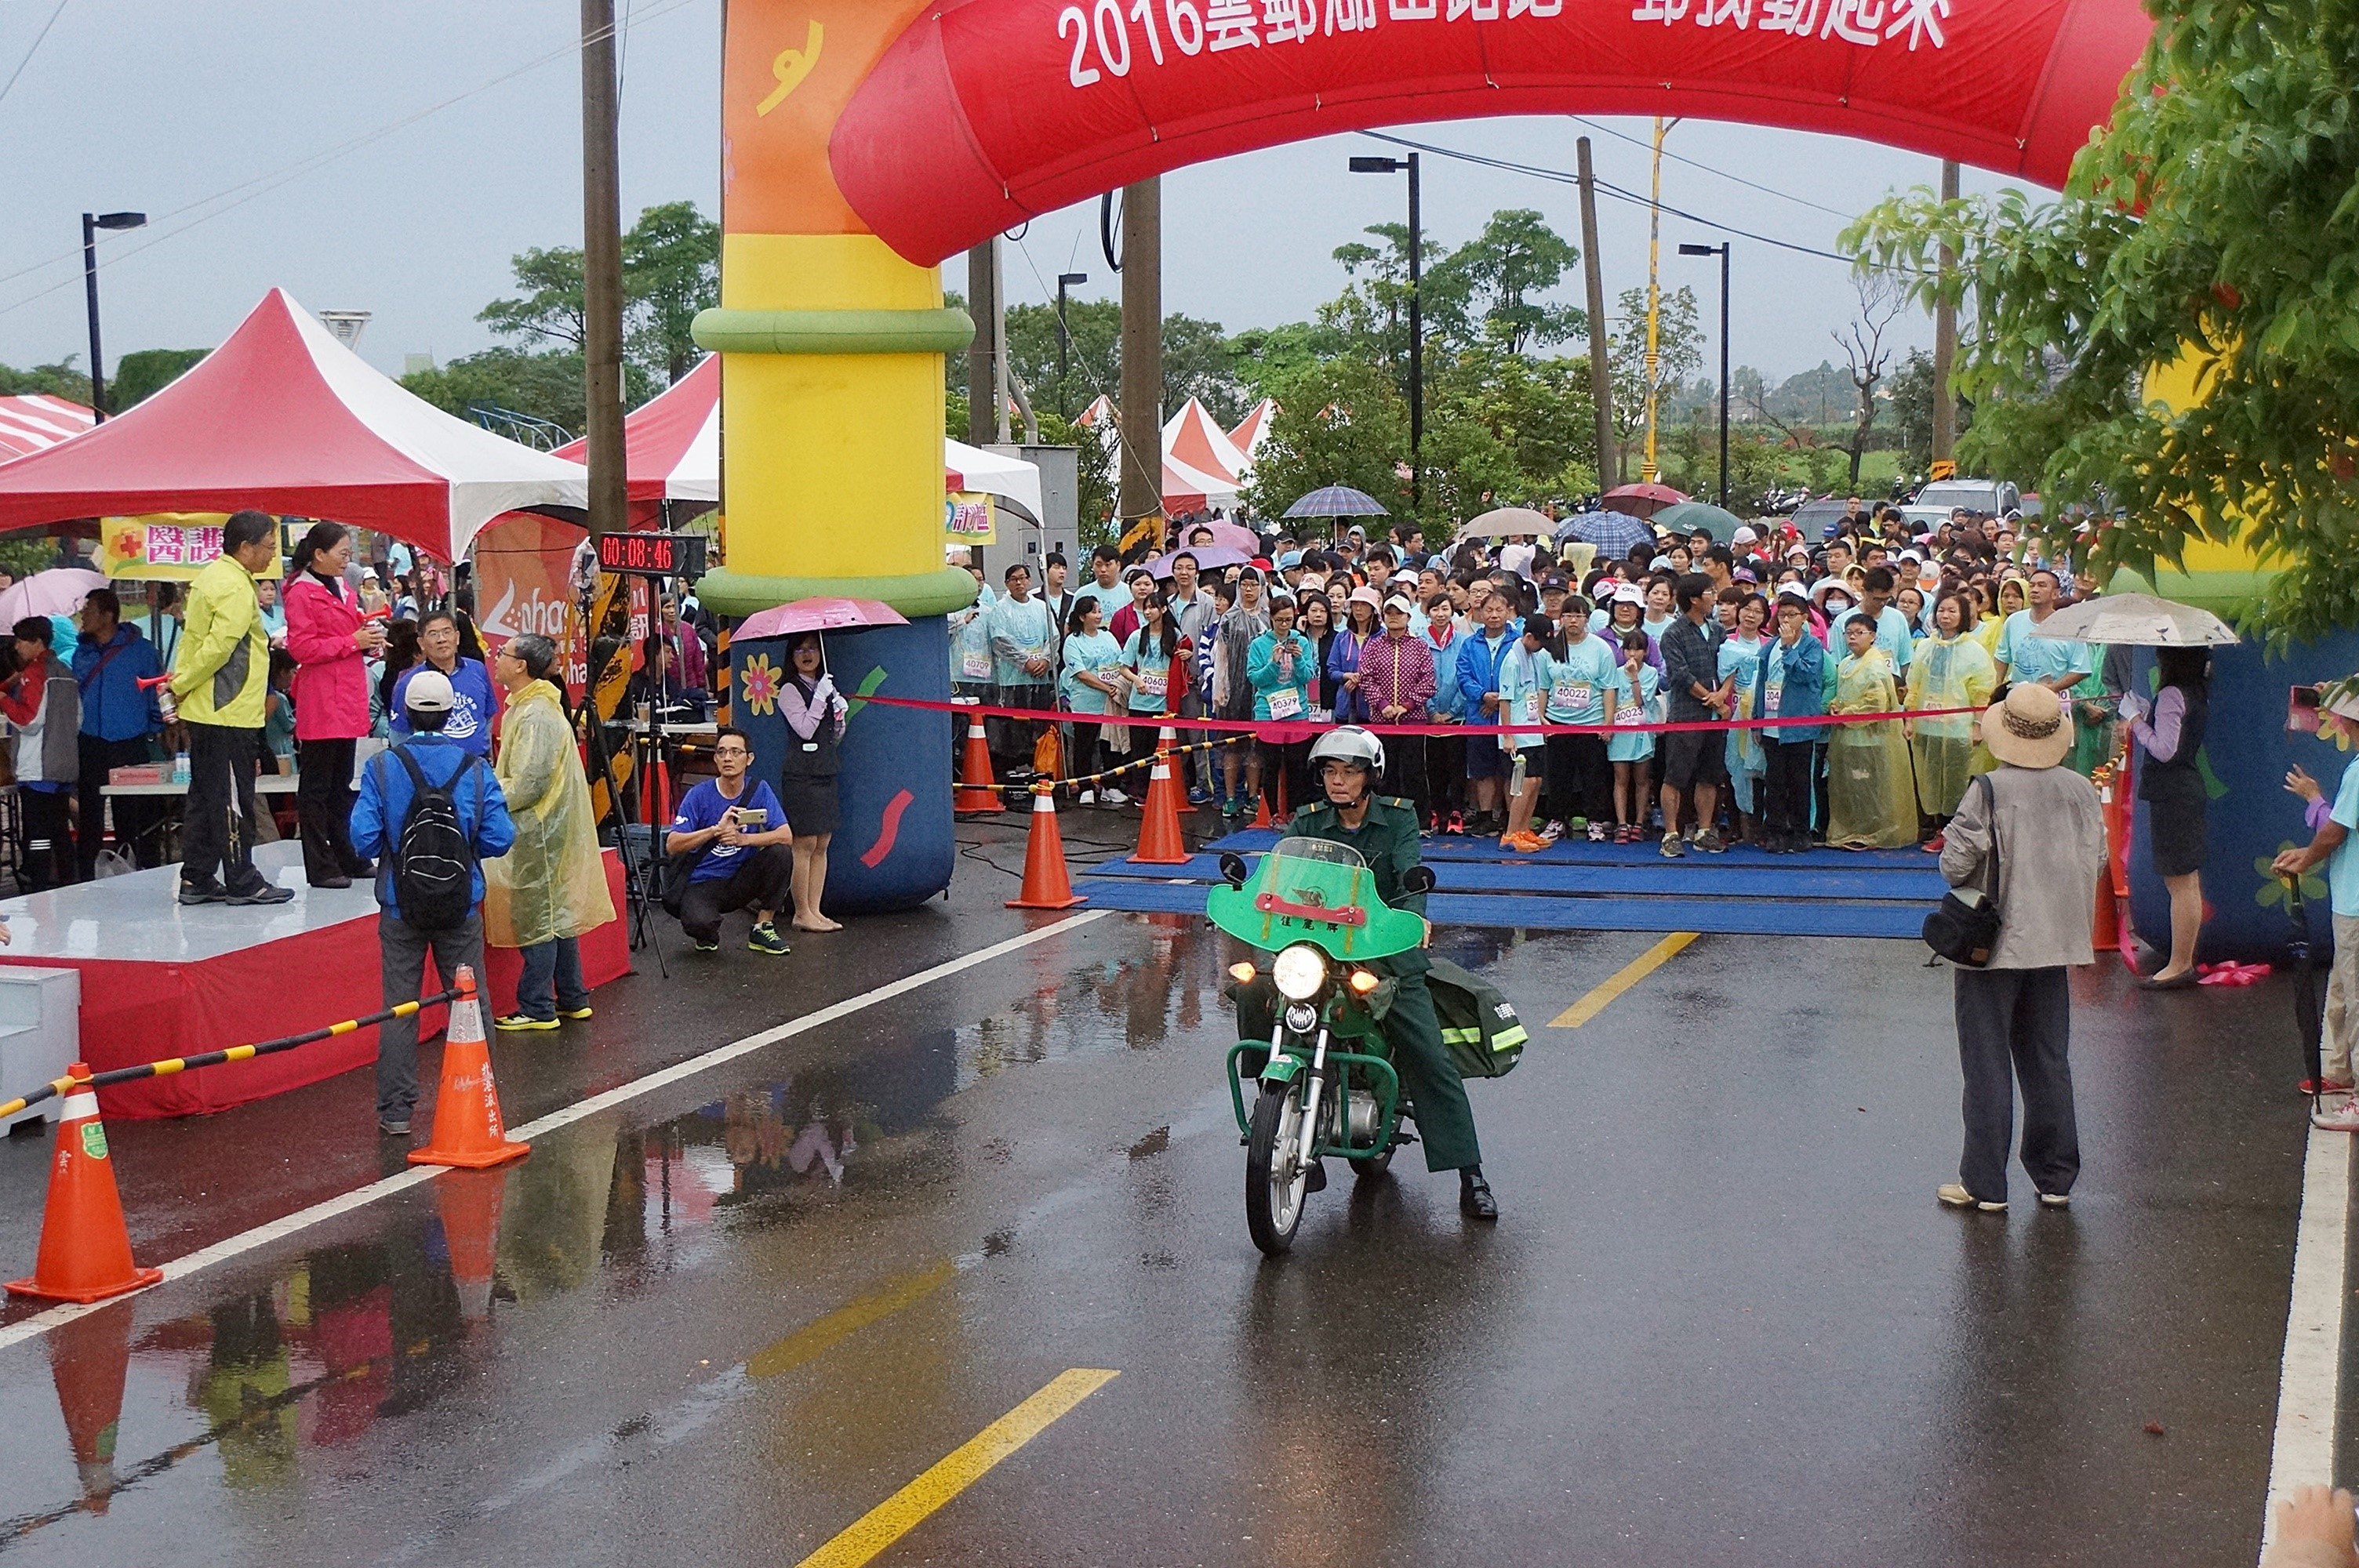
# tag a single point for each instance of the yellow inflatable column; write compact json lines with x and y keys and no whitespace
{"x":2221,"y":577}
{"x":832,"y":345}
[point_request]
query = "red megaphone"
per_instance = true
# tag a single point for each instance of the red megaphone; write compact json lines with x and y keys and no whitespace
{"x":149,"y":682}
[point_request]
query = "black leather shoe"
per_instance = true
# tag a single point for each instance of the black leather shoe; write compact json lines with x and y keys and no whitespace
{"x":1317,"y":1183}
{"x":1474,"y":1199}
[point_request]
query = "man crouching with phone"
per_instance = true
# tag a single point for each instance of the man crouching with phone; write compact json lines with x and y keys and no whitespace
{"x":741,"y":849}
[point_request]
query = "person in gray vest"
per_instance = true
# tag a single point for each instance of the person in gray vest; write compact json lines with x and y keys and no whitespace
{"x":2041,"y":825}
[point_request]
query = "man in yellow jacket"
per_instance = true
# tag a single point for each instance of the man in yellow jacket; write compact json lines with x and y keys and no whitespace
{"x":221,"y":671}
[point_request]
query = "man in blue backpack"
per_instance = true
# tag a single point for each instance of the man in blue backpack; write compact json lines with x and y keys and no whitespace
{"x":429,"y":812}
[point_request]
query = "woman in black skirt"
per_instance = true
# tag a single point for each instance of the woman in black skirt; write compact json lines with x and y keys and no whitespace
{"x":814,"y":713}
{"x":2171,"y":791}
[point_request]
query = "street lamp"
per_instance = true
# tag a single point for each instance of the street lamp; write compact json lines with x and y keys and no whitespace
{"x":1721,"y":251}
{"x":90,"y":224}
{"x":1416,"y":313}
{"x":1064,"y":337}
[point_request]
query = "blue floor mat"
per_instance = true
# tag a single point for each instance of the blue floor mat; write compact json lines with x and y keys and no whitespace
{"x":1762,"y":917}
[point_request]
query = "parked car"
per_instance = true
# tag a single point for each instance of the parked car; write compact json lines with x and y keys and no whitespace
{"x":1994,"y":497}
{"x":1820,"y":518}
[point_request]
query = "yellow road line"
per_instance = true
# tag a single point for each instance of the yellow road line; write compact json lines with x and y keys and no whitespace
{"x":1630,"y":974}
{"x":823,"y":1333}
{"x":894,"y":1518}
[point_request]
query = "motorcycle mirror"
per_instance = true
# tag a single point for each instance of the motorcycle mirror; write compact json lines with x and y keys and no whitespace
{"x":1416,"y":880}
{"x":1232,"y":868}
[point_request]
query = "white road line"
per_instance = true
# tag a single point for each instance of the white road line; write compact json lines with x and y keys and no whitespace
{"x":2311,"y":1372}
{"x":247,"y":1241}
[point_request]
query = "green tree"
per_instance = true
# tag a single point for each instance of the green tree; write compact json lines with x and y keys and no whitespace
{"x":1499,"y":275}
{"x":58,"y":380}
{"x":546,"y":385}
{"x":2218,"y":210}
{"x":671,"y":270}
{"x":549,"y":310}
{"x":1505,"y":424}
{"x":140,"y":375}
{"x":1095,"y":359}
{"x":1678,"y":355}
{"x":1341,"y":421}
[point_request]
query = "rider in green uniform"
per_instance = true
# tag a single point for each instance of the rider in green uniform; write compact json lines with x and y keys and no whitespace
{"x":1347,"y":761}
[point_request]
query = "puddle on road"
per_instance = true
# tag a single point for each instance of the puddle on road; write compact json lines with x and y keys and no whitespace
{"x":278,"y":1381}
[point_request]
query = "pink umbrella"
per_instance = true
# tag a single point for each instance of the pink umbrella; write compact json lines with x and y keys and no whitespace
{"x":819,"y":615}
{"x":1227,"y":534}
{"x":57,"y":592}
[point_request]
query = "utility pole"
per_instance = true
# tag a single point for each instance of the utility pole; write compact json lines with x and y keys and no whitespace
{"x":1142,"y":353}
{"x":1001,"y":372}
{"x":1647,"y":471}
{"x":1945,"y":340}
{"x":1601,"y":372}
{"x":601,"y":271}
{"x":982,"y":379}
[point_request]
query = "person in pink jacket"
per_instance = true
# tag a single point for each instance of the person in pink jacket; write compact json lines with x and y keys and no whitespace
{"x":332,"y":644}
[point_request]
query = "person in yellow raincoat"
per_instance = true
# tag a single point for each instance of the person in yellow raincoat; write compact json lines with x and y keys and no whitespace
{"x":551,"y":887}
{"x":1951,"y":669}
{"x":1870,"y":797}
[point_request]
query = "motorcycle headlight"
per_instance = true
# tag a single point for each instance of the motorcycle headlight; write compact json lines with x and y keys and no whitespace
{"x":1298,"y":972}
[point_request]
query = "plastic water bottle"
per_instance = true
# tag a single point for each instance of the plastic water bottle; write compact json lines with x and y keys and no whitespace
{"x":180,"y":767}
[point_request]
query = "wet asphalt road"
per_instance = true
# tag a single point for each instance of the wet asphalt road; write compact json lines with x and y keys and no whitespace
{"x":1723,"y":1320}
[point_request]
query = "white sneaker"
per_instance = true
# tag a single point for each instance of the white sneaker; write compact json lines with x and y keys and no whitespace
{"x":1116,"y":797}
{"x":1088,"y":797}
{"x":2336,"y":1113}
{"x":1955,"y":1196}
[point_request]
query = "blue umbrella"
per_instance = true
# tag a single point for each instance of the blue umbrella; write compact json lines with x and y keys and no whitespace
{"x":1613,"y":532}
{"x":1337,"y":501}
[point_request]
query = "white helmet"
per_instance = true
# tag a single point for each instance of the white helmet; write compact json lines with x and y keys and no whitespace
{"x":1348,"y":743}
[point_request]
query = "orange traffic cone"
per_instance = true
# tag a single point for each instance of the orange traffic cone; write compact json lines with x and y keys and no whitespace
{"x":1261,"y":815}
{"x":1159,"y":841}
{"x":85,"y":1250}
{"x":90,"y":1359}
{"x":1046,"y":886}
{"x":470,"y":1202}
{"x":467,"y":1129}
{"x":976,"y":791}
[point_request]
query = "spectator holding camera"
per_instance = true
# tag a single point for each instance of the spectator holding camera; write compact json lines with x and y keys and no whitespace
{"x":738,"y":850}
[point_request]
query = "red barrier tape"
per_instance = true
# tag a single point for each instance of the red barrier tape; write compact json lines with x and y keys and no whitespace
{"x":1289,"y":730}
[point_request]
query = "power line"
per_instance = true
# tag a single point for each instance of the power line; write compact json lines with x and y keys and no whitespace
{"x":262,"y":184}
{"x":32,"y":49}
{"x":1564,"y":176}
{"x":1708,"y":168}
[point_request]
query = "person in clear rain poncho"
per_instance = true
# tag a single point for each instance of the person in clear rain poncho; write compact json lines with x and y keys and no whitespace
{"x":1952,"y":669}
{"x":1871,"y":796}
{"x":545,"y":892}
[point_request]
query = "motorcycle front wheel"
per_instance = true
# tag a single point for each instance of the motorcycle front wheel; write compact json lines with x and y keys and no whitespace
{"x":1277,"y":1169}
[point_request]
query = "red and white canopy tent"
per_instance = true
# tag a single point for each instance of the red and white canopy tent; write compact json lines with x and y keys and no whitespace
{"x":1254,"y":430}
{"x":1203,"y":468}
{"x":673,"y":452}
{"x":38,"y":422}
{"x":284,"y":417}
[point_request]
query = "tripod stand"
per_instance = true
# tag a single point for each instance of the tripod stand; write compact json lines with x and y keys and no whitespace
{"x":637,"y":875}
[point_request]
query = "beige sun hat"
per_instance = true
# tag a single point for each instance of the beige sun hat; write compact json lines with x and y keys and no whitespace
{"x":2030,"y":728}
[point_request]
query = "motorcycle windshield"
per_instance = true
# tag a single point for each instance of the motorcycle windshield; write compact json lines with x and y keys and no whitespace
{"x":1316,"y":891}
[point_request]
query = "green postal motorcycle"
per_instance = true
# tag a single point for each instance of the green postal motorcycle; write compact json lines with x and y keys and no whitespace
{"x":1324,"y":1079}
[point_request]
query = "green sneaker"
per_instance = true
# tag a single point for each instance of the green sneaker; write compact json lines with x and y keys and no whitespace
{"x":706,"y":946}
{"x":519,"y":1023}
{"x":576,"y":1014}
{"x":764,"y":938}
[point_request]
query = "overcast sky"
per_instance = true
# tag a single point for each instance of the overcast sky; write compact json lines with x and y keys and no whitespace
{"x":219,"y":122}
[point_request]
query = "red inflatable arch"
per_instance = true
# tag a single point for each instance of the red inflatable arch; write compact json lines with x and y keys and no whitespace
{"x":985,"y":113}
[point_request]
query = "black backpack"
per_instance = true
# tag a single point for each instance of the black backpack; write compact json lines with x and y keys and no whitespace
{"x":434,"y":859}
